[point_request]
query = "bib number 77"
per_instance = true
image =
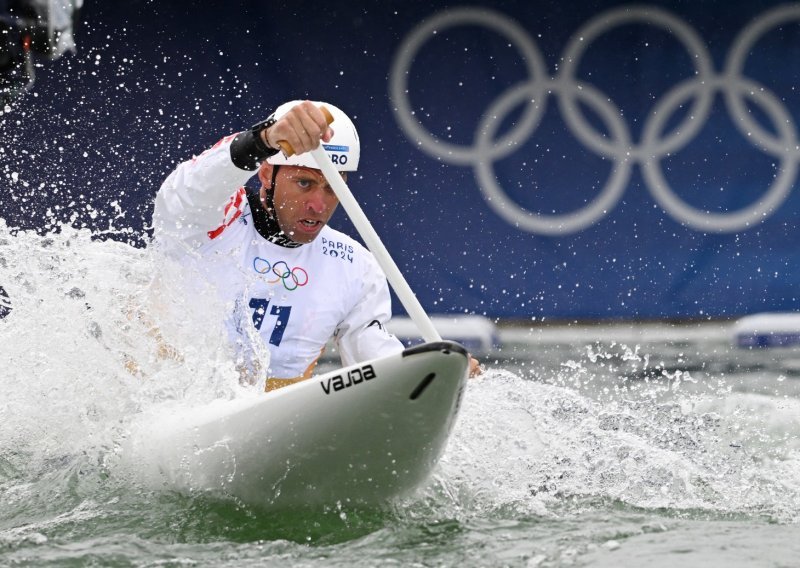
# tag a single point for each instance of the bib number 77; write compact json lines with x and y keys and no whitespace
{"x":259,"y":306}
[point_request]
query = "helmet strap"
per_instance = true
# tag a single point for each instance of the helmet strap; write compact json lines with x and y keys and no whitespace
{"x":265,"y":217}
{"x":271,"y":193}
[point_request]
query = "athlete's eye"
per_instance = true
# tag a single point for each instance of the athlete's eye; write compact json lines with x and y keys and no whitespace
{"x":304,"y":183}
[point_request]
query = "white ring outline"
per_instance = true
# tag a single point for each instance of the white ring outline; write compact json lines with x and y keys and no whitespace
{"x":721,"y":222}
{"x":647,"y":153}
{"x":552,"y":224}
{"x":632,"y":15}
{"x":735,"y":66}
{"x":398,"y":82}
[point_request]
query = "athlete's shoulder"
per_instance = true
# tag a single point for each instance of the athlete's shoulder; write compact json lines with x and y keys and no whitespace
{"x":237,"y":209}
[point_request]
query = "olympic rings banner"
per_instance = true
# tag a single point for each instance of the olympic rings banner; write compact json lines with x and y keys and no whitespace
{"x":520,"y":160}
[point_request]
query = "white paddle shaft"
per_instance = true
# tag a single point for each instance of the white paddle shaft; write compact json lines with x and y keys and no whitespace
{"x":374,"y":244}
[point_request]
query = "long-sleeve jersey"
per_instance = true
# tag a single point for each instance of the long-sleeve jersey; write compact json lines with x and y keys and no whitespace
{"x":296,"y":298}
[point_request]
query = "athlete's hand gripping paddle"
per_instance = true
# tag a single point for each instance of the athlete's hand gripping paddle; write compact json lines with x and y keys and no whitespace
{"x":371,"y":238}
{"x":287,"y":148}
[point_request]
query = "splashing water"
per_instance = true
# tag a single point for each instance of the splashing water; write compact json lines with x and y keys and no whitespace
{"x":90,"y":342}
{"x":94,"y":342}
{"x":730,"y":456}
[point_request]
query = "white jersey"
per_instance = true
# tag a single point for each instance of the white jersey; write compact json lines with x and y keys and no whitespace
{"x":296,"y":298}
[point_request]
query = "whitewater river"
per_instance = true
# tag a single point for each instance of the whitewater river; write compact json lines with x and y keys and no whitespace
{"x":582,"y":446}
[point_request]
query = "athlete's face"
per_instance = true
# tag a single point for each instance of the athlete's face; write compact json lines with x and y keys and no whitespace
{"x":304,"y":202}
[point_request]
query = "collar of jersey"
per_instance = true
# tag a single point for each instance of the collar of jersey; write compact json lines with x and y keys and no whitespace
{"x":266,"y":225}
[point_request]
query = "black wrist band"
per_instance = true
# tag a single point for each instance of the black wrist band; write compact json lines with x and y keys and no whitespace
{"x":248,"y":149}
{"x":257,"y":129}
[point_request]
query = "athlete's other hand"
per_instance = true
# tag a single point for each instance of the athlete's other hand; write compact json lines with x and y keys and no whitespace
{"x":475,"y":368}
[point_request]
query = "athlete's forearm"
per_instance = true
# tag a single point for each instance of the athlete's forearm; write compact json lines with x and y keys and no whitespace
{"x":192,"y":199}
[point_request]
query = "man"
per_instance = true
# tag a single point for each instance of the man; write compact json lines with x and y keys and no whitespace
{"x":271,"y":254}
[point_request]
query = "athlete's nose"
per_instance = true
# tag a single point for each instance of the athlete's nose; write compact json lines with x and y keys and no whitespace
{"x":315,"y":202}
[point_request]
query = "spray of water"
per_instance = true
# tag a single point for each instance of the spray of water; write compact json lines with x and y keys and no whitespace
{"x":526,"y":449}
{"x":99,"y":334}
{"x":102,"y":336}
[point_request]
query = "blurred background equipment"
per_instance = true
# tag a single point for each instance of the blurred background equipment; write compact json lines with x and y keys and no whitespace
{"x":768,"y":330}
{"x":29,"y":29}
{"x":477,"y":333}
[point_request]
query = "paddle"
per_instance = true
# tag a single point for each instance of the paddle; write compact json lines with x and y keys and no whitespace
{"x":371,"y":238}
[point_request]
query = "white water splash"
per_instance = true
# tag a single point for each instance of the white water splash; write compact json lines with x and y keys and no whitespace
{"x":98,"y":332}
{"x":526,"y":448}
{"x":83,"y":311}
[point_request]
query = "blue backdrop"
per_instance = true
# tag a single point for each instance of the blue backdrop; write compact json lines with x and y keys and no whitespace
{"x":550,"y":160}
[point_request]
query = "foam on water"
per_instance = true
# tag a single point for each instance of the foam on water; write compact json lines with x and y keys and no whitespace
{"x":526,"y":448}
{"x":94,"y":343}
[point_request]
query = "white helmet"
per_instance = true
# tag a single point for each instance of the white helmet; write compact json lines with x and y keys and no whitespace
{"x":343,"y":149}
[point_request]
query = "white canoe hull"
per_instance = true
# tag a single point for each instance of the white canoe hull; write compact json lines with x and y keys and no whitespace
{"x":361,"y":435}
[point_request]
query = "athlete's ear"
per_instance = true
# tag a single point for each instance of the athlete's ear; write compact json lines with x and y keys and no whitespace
{"x":265,"y":175}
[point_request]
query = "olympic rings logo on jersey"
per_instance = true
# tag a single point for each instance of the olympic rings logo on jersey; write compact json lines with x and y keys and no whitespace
{"x":617,"y":146}
{"x":291,"y":278}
